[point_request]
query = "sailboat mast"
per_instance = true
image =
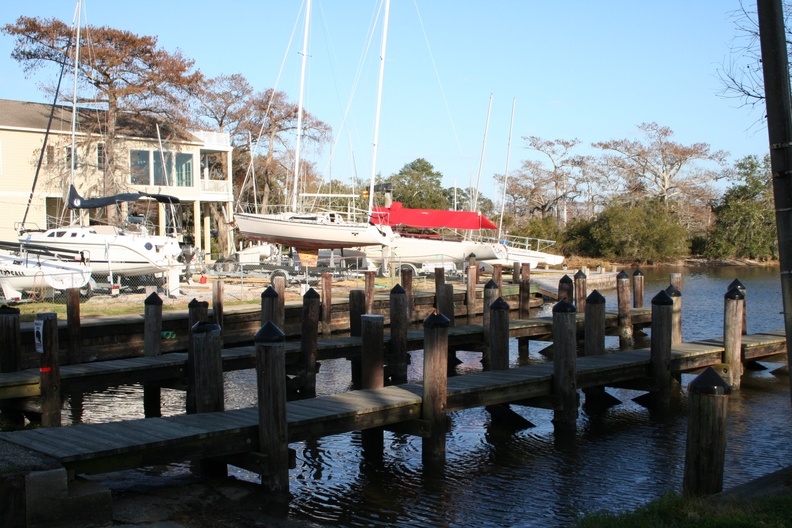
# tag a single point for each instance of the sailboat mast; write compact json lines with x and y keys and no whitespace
{"x":73,"y":157}
{"x":379,"y":105}
{"x":481,"y":160}
{"x":300,"y":108}
{"x":506,"y":173}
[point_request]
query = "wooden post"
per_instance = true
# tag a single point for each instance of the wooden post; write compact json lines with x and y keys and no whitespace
{"x":373,"y":377}
{"x":497,"y":276}
{"x":516,"y":269}
{"x":498,"y":336}
{"x":732,"y":335}
{"x":273,"y":426}
{"x":638,"y":288}
{"x":625,"y":310}
{"x":10,"y":337}
{"x":581,"y":291}
{"x":439,"y":276}
{"x":73,"y":324}
{"x":218,"y":291}
{"x":675,"y":279}
{"x":309,"y":337}
{"x":566,"y":289}
{"x":525,"y":307}
{"x":705,"y":446}
{"x":740,"y":286}
{"x":660,"y":350}
{"x":197,"y":312}
{"x":357,"y":307}
{"x":407,"y":284}
{"x":372,"y":355}
{"x":370,"y":277}
{"x":490,"y":294}
{"x":49,"y":371}
{"x":445,"y":301}
{"x":594,"y":324}
{"x":279,"y":313}
{"x":433,"y":407}
{"x":327,"y":302}
{"x":564,"y":367}
{"x":207,"y":382}
{"x":676,"y":317}
{"x":470,"y":296}
{"x":269,"y":305}
{"x":399,"y":324}
{"x":152,"y":346}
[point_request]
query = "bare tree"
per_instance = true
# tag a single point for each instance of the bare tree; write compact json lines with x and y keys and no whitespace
{"x":555,"y":185}
{"x":659,"y":167}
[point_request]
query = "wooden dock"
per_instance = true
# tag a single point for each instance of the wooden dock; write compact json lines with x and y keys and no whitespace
{"x":171,"y":367}
{"x":106,"y":447}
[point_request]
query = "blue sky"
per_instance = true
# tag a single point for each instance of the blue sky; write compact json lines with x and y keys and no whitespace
{"x":577,"y":69}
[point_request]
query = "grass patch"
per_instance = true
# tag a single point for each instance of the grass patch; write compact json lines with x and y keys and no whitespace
{"x":674,"y":511}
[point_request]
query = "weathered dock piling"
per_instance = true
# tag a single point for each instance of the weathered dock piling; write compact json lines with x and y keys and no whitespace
{"x":152,"y":347}
{"x":566,"y":289}
{"x":272,"y":429}
{"x":197,"y":312}
{"x":373,"y":377}
{"x":624,"y":307}
{"x":660,"y":350}
{"x":734,"y":301}
{"x":435,"y":390}
{"x":398,"y":354}
{"x":705,"y":446}
{"x":73,"y":325}
{"x":218,"y":292}
{"x":309,"y":338}
{"x":206,"y":380}
{"x":565,"y":410}
{"x":49,"y":370}
{"x":638,"y":288}
{"x":581,"y":291}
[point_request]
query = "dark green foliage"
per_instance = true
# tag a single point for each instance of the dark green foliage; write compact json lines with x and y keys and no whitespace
{"x":647,"y":230}
{"x":419,"y":185}
{"x":745,"y":225}
{"x":544,"y":228}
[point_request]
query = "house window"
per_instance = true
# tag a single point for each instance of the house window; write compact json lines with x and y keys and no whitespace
{"x":101,"y":156}
{"x":139,"y":167}
{"x":71,"y":161}
{"x":163,"y":175}
{"x":184,"y":170}
{"x":50,"y":154}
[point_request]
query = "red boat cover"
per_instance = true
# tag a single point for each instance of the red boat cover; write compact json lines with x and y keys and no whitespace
{"x":430,"y":218}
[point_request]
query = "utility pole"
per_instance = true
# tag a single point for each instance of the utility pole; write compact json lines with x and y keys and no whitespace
{"x":775,"y":65}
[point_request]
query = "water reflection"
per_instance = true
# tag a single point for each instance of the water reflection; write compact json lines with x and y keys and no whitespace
{"x":501,"y":475}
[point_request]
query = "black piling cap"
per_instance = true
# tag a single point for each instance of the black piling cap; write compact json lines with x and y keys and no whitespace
{"x":153,"y":299}
{"x":310,"y":294}
{"x":563,"y":306}
{"x":622,"y":275}
{"x":663,"y":298}
{"x":436,"y":320}
{"x":499,"y":304}
{"x":737,"y":284}
{"x":709,"y":382}
{"x":565,"y":279}
{"x":204,"y":327}
{"x":491,"y":284}
{"x":398,"y":290}
{"x":8,"y":310}
{"x":580,"y":275}
{"x":195,"y":303}
{"x":673,"y":291}
{"x":269,"y":333}
{"x":735,"y":294}
{"x":637,"y":272}
{"x":269,"y":292}
{"x":595,"y":297}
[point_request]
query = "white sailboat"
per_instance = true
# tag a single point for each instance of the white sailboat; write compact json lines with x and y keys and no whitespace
{"x":36,"y":275}
{"x":311,"y":231}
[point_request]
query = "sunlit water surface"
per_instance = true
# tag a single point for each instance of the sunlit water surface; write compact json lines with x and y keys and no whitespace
{"x":621,"y":458}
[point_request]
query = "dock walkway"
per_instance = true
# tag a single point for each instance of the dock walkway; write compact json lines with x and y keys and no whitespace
{"x":98,"y":448}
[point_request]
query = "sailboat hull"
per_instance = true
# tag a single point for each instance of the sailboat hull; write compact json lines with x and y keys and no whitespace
{"x":24,"y":273}
{"x":310,"y":231}
{"x":116,"y":252}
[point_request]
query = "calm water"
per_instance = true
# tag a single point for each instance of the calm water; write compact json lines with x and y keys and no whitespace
{"x":620,"y":458}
